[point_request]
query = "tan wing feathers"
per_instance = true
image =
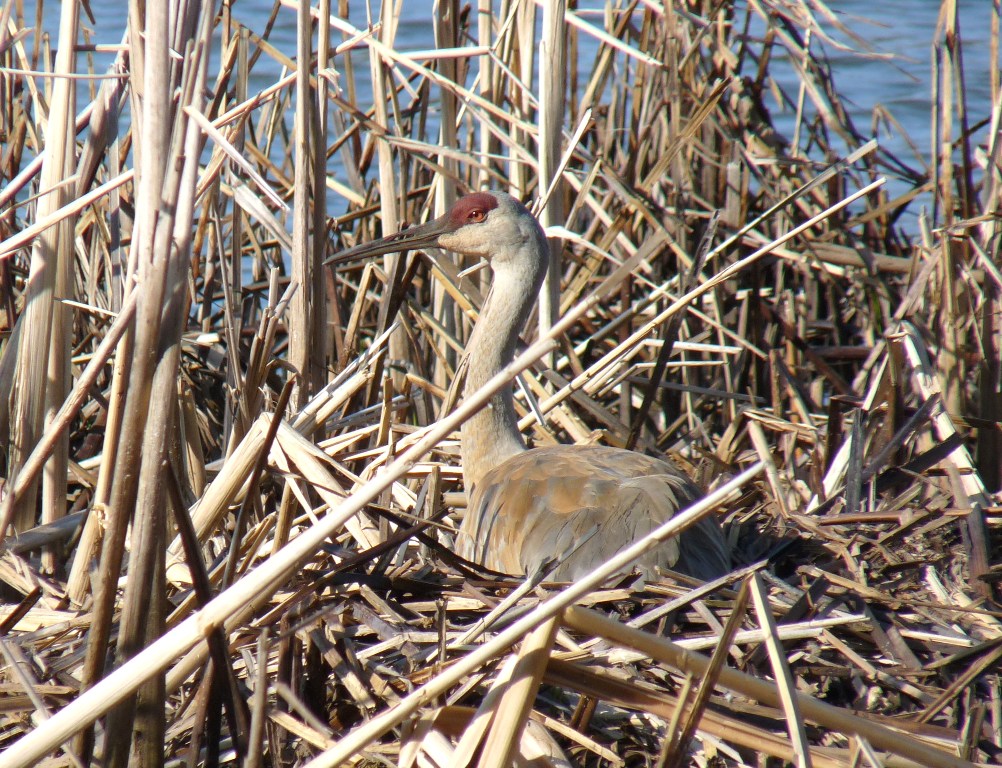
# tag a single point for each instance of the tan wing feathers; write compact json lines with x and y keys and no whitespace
{"x":542,"y":504}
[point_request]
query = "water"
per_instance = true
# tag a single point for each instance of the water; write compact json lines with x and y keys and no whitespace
{"x":905,"y":30}
{"x":901,"y":29}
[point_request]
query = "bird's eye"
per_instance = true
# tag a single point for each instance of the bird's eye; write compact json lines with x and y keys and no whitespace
{"x":476,"y":215}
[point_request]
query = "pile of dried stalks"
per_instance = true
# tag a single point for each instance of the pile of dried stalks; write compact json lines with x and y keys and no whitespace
{"x":234,"y":475}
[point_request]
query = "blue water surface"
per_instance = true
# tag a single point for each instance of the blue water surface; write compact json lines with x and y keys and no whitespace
{"x":891,"y":70}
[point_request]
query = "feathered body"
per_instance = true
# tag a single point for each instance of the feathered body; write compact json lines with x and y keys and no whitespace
{"x":578,"y":505}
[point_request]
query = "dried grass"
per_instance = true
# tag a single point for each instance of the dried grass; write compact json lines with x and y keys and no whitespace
{"x":259,"y":459}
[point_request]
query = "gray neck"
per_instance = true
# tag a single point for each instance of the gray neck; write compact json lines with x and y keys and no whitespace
{"x":491,"y":436}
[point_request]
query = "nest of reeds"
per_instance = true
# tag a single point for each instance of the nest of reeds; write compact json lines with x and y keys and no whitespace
{"x":232,"y":477}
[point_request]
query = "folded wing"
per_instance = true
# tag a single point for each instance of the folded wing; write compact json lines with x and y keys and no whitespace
{"x":580,"y":505}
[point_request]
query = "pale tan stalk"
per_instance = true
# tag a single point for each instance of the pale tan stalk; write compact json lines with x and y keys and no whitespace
{"x":781,"y":672}
{"x":51,"y":264}
{"x":305,"y":310}
{"x":516,"y":702}
{"x":552,"y":109}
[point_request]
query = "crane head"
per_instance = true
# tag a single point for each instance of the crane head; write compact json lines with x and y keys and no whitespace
{"x":492,"y":225}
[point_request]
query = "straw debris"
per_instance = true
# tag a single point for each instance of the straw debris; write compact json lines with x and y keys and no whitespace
{"x":231,"y":478}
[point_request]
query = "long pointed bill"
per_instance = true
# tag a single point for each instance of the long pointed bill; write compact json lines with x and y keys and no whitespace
{"x":421,"y":236}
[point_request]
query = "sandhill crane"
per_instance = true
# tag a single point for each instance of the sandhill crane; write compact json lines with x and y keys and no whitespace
{"x":575,"y":504}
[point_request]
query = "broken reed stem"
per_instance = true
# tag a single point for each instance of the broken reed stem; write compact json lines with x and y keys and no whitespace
{"x":781,"y":673}
{"x":511,"y":712}
{"x":590,"y":623}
